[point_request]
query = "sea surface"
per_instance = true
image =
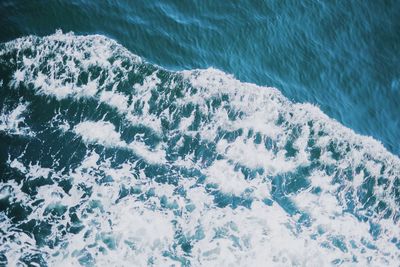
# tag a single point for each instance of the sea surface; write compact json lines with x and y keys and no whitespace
{"x":199,"y":133}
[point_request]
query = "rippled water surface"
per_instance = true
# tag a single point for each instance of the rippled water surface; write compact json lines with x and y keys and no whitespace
{"x":342,"y":56}
{"x":162,"y":134}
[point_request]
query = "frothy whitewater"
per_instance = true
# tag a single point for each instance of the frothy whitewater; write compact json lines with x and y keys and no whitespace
{"x":111,"y":161}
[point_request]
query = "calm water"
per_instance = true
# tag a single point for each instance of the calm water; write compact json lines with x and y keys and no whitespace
{"x":154,"y":135}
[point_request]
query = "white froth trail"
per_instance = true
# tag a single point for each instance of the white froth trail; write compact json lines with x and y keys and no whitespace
{"x":260,"y":143}
{"x":12,"y":120}
{"x":104,"y":133}
{"x":99,"y":132}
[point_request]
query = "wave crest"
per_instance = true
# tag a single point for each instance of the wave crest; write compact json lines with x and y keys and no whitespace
{"x":141,"y":165}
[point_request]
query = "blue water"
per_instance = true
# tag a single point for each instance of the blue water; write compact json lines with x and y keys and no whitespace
{"x":259,"y":133}
{"x":343,"y":56}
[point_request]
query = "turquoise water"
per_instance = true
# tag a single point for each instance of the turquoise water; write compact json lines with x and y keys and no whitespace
{"x":172,"y":134}
{"x":343,"y":56}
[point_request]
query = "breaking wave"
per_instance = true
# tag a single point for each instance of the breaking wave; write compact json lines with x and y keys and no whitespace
{"x":109,"y":160}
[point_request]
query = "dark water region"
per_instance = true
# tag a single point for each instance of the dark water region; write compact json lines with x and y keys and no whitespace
{"x":343,"y":56}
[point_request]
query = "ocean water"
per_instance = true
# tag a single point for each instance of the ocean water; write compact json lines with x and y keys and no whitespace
{"x":199,"y":134}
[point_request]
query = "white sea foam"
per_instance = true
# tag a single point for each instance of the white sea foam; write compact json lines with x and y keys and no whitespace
{"x":257,"y":135}
{"x":104,"y":133}
{"x":12,"y":122}
{"x":99,"y":132}
{"x":224,"y":175}
{"x":155,"y":156}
